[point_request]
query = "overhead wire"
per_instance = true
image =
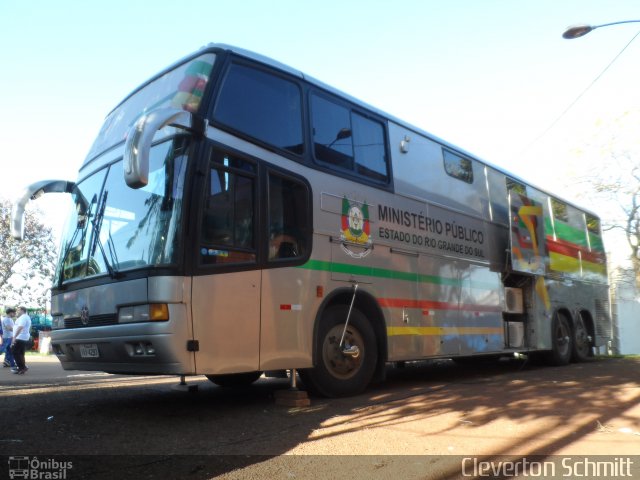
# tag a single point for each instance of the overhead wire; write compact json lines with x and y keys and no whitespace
{"x":580,"y":95}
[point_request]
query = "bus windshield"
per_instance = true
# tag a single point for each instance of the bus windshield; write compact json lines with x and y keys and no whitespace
{"x":115,"y":228}
{"x":182,"y":87}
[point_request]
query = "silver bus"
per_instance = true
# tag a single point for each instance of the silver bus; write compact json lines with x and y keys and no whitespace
{"x":235,"y":216}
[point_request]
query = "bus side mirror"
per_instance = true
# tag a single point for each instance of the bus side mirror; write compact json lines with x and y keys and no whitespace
{"x":140,"y":137}
{"x":31,"y":192}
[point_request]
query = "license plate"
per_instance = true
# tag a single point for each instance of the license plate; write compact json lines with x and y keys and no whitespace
{"x":89,"y":350}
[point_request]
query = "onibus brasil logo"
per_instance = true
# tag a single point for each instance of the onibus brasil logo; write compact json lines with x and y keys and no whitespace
{"x":356,"y":228}
{"x":38,"y":469}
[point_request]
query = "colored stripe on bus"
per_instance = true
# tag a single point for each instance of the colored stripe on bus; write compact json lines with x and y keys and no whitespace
{"x":433,"y":305}
{"x":568,"y":233}
{"x":570,"y":264}
{"x":563,"y":247}
{"x":377,"y":272}
{"x":441,"y":331}
{"x":322,"y":265}
{"x":568,"y":257}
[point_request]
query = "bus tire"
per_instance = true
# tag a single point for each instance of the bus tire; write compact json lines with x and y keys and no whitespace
{"x":561,"y":340}
{"x":336,"y":374}
{"x":581,"y":346}
{"x":232,"y":380}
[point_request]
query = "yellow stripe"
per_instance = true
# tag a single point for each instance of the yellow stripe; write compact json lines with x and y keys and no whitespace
{"x":563,"y":263}
{"x":436,"y":331}
{"x":594,"y":267}
{"x":543,"y":293}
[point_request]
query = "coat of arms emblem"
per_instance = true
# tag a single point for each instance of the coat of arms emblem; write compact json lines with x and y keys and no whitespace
{"x":356,"y":228}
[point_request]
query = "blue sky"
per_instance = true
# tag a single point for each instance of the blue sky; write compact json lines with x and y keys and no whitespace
{"x":488,"y":76}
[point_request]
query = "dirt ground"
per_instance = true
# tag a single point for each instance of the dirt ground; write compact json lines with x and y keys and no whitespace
{"x":422,"y":422}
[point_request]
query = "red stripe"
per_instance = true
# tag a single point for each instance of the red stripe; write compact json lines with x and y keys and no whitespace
{"x":432,"y":305}
{"x":569,"y":249}
{"x":285,"y":307}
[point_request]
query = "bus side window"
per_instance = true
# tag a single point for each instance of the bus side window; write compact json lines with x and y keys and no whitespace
{"x":457,"y":166}
{"x":593,"y":224}
{"x":332,"y":143}
{"x":228,"y":221}
{"x":369,"y":147}
{"x":345,"y":140}
{"x":289,"y":218}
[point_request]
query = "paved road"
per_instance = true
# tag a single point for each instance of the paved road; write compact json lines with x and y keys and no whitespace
{"x":420,"y":423}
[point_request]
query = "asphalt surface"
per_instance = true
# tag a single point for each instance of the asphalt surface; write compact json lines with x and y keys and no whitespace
{"x":420,"y":423}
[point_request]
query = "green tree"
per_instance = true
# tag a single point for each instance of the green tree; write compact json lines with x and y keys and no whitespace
{"x":26,"y":267}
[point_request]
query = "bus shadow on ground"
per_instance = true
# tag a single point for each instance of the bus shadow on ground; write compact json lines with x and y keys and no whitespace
{"x":157,"y":432}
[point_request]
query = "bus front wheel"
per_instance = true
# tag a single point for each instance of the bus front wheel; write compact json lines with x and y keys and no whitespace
{"x":342,"y":370}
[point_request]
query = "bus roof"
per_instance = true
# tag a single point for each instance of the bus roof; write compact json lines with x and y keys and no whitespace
{"x":297,"y":73}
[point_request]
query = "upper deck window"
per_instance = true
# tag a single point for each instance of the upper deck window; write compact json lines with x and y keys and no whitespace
{"x":183,"y":88}
{"x":457,"y":166}
{"x":560,"y":211}
{"x":264,"y":106}
{"x":593,"y":224}
{"x":348,"y":141}
{"x":517,"y":187}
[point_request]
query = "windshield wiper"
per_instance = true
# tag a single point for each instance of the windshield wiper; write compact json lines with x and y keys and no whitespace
{"x":84,"y":212}
{"x":97,"y":226}
{"x":66,"y":254}
{"x":112,"y":249}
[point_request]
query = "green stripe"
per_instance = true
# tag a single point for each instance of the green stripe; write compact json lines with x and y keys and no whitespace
{"x":596,"y":242}
{"x":548,"y":226}
{"x":574,"y":235}
{"x":570,"y":234}
{"x":377,"y":272}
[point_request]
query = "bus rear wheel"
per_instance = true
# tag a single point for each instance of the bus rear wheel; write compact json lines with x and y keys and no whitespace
{"x":232,"y":380}
{"x":339,"y":372}
{"x":561,"y":340}
{"x":581,"y":342}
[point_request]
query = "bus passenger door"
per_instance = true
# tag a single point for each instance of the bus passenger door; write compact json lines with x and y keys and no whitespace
{"x":227,"y":278}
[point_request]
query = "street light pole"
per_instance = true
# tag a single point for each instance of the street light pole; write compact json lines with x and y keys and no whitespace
{"x":581,"y":30}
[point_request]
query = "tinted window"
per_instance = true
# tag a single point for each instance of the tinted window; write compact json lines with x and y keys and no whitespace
{"x":559,"y":210}
{"x":593,"y":224}
{"x":332,"y":133}
{"x":348,"y":141}
{"x":368,"y":143}
{"x":263,"y":106}
{"x":458,"y":167}
{"x":289,"y":218}
{"x":517,"y":187}
{"x":228,"y":222}
{"x":182,"y":88}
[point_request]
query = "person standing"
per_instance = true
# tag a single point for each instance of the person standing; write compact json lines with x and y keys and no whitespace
{"x":7,"y":336}
{"x":21,"y":336}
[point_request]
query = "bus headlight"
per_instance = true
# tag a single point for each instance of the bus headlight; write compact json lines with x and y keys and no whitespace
{"x":57,"y":322}
{"x":154,"y":312}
